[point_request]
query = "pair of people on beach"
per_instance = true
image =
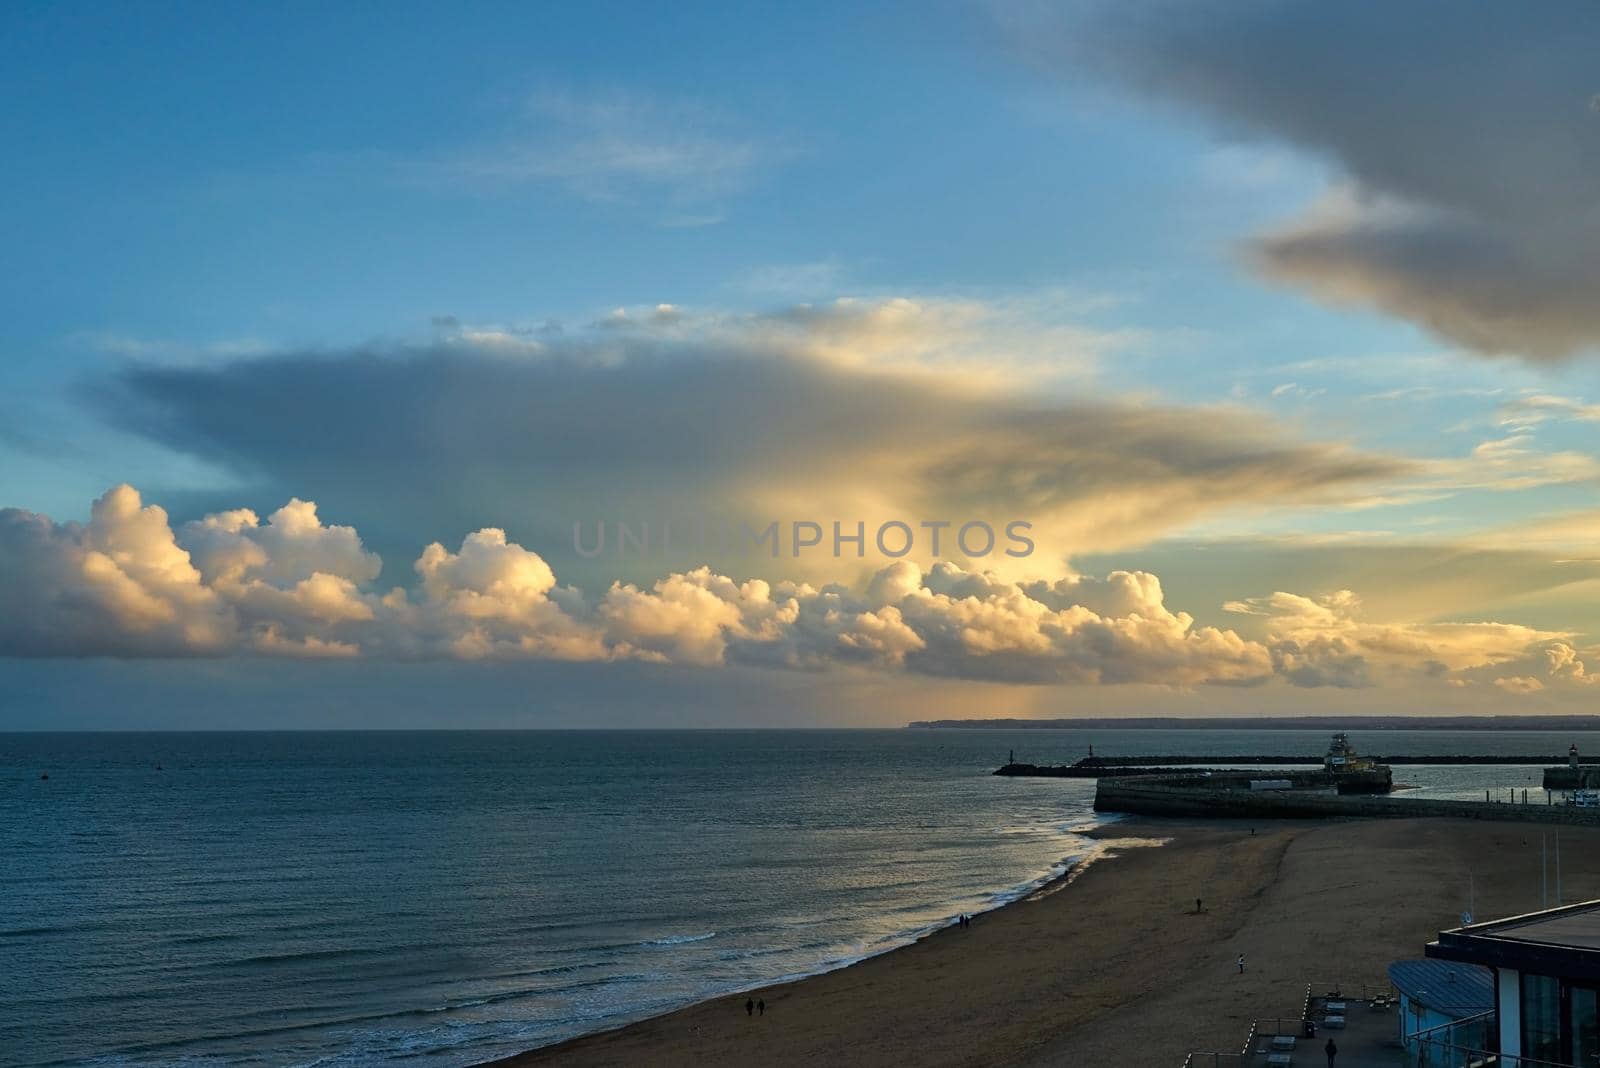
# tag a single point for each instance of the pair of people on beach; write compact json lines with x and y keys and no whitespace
{"x":964,"y":920}
{"x":751,"y":1006}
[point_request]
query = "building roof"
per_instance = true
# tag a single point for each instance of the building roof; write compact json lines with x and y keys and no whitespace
{"x":1578,"y":928}
{"x":1456,"y":990}
{"x":1563,"y":942}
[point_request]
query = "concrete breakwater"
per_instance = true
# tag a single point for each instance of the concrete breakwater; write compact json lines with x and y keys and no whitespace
{"x":1230,"y":796}
{"x":1096,"y":767}
{"x":1078,"y":771}
{"x":1413,"y":758}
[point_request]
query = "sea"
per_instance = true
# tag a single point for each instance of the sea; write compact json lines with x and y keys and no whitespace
{"x":445,"y":898}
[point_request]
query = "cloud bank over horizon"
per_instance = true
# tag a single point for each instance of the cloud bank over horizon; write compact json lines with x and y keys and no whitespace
{"x":127,"y":584}
{"x":874,"y":410}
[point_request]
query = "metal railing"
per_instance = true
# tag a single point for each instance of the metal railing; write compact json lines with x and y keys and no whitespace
{"x":1466,"y":1043}
{"x":1205,"y":1059}
{"x":1347,"y":991}
{"x":1214,"y":1060}
{"x":1440,"y":1055}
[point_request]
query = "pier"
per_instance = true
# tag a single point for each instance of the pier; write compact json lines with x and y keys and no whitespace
{"x":1346,"y":785}
{"x":1230,"y":795}
{"x":1099,"y":767}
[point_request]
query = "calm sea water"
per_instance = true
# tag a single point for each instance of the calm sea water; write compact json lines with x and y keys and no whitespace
{"x":442,"y":898}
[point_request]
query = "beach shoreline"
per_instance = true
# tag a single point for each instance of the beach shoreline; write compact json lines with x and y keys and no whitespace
{"x":1116,"y":947}
{"x":1061,"y":875}
{"x":1115,"y":836}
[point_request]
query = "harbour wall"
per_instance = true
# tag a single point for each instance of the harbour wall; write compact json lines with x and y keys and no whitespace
{"x":1097,"y":767}
{"x":1232,"y":798}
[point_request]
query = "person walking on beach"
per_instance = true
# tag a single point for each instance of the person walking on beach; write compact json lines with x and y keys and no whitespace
{"x":1197,"y":909}
{"x":1332,"y":1050}
{"x":1241,"y":971}
{"x":749,"y":1007}
{"x":761,"y":1007}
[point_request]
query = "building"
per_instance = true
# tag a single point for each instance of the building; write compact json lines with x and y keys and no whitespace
{"x":1546,"y":969}
{"x":1437,"y":993}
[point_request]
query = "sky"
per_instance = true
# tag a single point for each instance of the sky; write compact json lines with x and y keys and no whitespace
{"x":1241,"y":358}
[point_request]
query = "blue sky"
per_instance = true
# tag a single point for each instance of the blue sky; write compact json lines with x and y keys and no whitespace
{"x":1319,"y":314}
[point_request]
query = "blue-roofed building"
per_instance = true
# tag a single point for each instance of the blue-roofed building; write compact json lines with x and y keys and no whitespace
{"x":1434,"y":993}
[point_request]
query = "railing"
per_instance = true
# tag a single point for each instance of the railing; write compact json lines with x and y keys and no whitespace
{"x":1458,"y":1044}
{"x":1343,"y":990}
{"x":1238,"y":1060}
{"x":1437,"y":1055}
{"x":1466,"y":1043}
{"x":1214,"y":1060}
{"x":1279,"y":1025}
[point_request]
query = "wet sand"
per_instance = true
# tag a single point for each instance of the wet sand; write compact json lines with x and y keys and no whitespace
{"x":1115,"y":966}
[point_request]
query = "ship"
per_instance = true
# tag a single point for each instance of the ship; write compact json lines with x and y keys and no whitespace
{"x":1353,"y":773}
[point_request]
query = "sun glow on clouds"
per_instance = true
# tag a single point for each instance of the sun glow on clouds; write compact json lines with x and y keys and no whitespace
{"x":877,"y":410}
{"x":1324,"y":641}
{"x":128,"y":584}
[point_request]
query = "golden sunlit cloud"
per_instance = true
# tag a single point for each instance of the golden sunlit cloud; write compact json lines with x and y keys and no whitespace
{"x":128,"y":584}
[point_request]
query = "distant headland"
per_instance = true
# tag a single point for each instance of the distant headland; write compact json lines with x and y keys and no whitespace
{"x":1276,"y":723}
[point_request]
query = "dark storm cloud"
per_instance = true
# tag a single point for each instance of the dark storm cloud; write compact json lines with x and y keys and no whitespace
{"x":1467,"y":134}
{"x":435,"y":442}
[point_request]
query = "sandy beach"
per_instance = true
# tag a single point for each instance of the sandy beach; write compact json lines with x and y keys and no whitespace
{"x":1115,"y":966}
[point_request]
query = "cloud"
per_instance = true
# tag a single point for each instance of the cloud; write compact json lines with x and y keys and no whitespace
{"x":1468,"y":144}
{"x":1574,"y":535}
{"x":130,"y":346}
{"x":946,"y":622}
{"x":1324,"y":641}
{"x":792,"y":280}
{"x":124,"y":585}
{"x":622,"y":147}
{"x":234,"y":547}
{"x":127,"y":584}
{"x":851,"y":411}
{"x":1539,"y":407}
{"x":493,"y":598}
{"x":118,"y":586}
{"x":1511,"y":463}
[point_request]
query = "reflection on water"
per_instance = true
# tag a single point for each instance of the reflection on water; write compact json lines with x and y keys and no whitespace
{"x":356,"y":898}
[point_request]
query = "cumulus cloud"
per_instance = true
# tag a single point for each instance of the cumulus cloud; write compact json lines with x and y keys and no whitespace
{"x":1325,"y":641}
{"x":493,"y":598}
{"x":119,"y":585}
{"x":293,"y":544}
{"x":127,"y":584}
{"x":1467,"y":141}
{"x":946,"y":621}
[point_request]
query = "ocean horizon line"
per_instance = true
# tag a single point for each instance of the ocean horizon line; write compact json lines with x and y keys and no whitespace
{"x":1163,"y":723}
